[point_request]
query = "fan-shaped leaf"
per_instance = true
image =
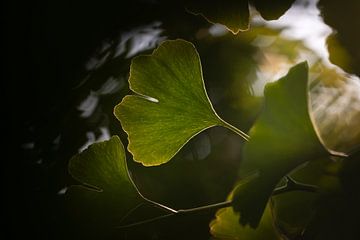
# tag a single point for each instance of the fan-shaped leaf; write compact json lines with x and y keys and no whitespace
{"x":171,"y":105}
{"x":234,"y":14}
{"x":282,"y":138}
{"x":107,"y":192}
{"x":226,"y":226}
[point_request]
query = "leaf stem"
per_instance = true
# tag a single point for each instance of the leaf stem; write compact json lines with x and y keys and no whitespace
{"x":337,"y":154}
{"x":292,"y":185}
{"x":235,"y":130}
{"x":206,"y":207}
{"x":150,"y":220}
{"x":161,"y":206}
{"x":179,"y":212}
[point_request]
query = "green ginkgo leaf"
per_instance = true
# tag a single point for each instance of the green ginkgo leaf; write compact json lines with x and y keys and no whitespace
{"x":171,"y":105}
{"x":234,"y":14}
{"x":281,"y":139}
{"x":107,"y":192}
{"x":226,"y":226}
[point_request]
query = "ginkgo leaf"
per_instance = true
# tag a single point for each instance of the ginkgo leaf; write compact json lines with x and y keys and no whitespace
{"x":292,"y":221}
{"x":234,"y":14}
{"x":271,"y":10}
{"x":282,"y":138}
{"x":226,"y":226}
{"x":107,"y":192}
{"x":171,"y":105}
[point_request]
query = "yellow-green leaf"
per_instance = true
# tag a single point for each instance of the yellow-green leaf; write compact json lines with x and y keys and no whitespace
{"x":170,"y":106}
{"x":226,"y":226}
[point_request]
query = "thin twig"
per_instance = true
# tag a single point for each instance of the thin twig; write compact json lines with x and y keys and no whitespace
{"x":179,"y":212}
{"x":161,"y":206}
{"x":291,"y":185}
{"x":207,"y":207}
{"x":146,"y":221}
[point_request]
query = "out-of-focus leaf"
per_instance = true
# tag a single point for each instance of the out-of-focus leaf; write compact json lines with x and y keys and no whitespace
{"x":337,"y":212}
{"x":226,"y":226}
{"x":271,"y":10}
{"x":281,"y":139}
{"x":107,"y":193}
{"x":347,"y":32}
{"x":172,"y":105}
{"x":294,"y":210}
{"x":235,"y":14}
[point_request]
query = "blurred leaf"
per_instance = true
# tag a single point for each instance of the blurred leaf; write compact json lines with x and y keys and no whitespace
{"x":347,"y":31}
{"x":271,"y":10}
{"x":235,"y":14}
{"x":107,"y":193}
{"x":337,"y":213}
{"x":226,"y":226}
{"x":281,"y":139}
{"x":172,"y":105}
{"x":291,"y":220}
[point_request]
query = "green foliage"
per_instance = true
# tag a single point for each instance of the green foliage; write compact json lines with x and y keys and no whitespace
{"x":226,"y":226}
{"x":171,"y":105}
{"x":337,"y":210}
{"x":293,"y":221}
{"x":106,"y":193}
{"x":235,"y":13}
{"x":281,"y":139}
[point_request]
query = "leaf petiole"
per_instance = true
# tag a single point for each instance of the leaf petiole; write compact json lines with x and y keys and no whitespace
{"x":178,"y":212}
{"x":235,"y":130}
{"x":291,"y":185}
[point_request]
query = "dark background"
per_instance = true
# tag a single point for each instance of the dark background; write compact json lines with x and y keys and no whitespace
{"x":45,"y":47}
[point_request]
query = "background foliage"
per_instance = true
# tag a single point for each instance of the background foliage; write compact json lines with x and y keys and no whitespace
{"x":60,"y":53}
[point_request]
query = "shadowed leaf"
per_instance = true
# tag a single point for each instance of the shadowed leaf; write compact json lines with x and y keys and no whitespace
{"x":282,"y":138}
{"x":235,"y":14}
{"x":107,"y":193}
{"x":271,"y":10}
{"x":294,"y":220}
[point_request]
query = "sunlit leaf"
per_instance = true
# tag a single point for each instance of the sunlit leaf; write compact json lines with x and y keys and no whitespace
{"x":107,"y":193}
{"x":234,"y":14}
{"x":281,"y":139}
{"x":226,"y":226}
{"x":171,"y":105}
